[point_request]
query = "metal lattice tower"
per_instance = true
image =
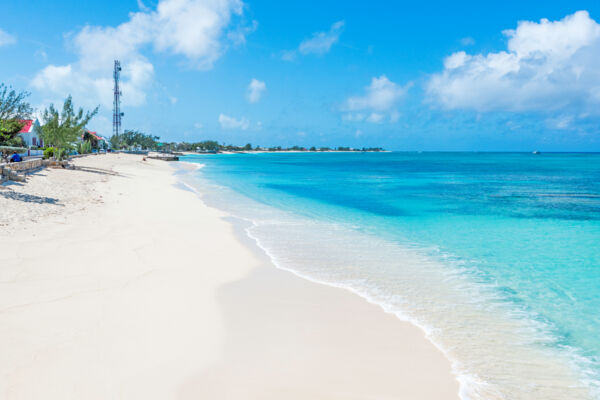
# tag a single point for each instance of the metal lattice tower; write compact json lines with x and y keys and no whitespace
{"x":117,"y":114}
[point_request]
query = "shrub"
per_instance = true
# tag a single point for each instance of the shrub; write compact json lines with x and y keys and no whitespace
{"x":84,"y":147}
{"x":48,"y":153}
{"x":61,"y":154}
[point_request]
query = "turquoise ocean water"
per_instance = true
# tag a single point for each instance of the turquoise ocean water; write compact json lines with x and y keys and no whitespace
{"x":494,"y":255}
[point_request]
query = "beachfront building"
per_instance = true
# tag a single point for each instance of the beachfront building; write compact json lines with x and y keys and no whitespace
{"x":97,"y":141}
{"x":106,"y":143}
{"x":29,"y":133}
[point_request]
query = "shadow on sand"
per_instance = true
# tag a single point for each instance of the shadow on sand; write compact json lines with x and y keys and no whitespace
{"x":98,"y":171}
{"x":29,"y":198}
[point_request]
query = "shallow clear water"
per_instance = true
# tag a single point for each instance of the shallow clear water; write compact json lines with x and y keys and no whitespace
{"x":495,"y":256}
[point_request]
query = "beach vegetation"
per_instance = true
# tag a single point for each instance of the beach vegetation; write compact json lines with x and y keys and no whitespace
{"x":115,"y":142}
{"x":204,"y":146}
{"x":212,"y":146}
{"x":62,"y":129}
{"x":297,"y":148}
{"x":131,"y":139}
{"x":84,"y":147}
{"x":48,"y":153}
{"x":13,"y":109}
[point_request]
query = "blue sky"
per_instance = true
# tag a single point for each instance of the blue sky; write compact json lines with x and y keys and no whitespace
{"x":431,"y":76}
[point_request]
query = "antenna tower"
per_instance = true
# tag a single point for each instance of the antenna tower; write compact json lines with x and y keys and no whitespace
{"x":117,"y":114}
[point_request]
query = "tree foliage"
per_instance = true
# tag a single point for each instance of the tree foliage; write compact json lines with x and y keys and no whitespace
{"x":84,"y":147}
{"x":206,"y":145}
{"x":62,"y":129}
{"x":132,"y":138}
{"x":13,"y":109}
{"x":214,"y":146}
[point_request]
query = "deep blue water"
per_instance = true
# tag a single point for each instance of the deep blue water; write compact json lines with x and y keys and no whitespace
{"x":516,"y":231}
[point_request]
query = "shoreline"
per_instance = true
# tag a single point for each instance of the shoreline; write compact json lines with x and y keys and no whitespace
{"x":171,"y":302}
{"x":241,"y":227}
{"x":421,"y":372}
{"x":192,"y":153}
{"x":459,"y":317}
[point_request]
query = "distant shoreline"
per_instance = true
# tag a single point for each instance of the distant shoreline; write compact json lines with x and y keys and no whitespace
{"x":189,"y":153}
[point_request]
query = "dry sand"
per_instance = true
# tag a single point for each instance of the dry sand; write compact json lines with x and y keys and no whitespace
{"x":117,"y":284}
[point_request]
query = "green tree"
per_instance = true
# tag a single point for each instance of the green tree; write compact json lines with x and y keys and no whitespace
{"x":13,"y":109}
{"x":211,"y":145}
{"x":116,"y":142}
{"x":132,"y":138}
{"x":62,"y":129}
{"x":84,"y":147}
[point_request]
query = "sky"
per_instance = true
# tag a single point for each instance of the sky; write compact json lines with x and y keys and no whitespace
{"x":416,"y":76}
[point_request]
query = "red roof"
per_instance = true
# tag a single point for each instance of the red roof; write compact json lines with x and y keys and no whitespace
{"x":94,"y":135}
{"x":27,"y":127}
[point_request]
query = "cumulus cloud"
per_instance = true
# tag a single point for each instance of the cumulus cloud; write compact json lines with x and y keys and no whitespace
{"x":142,"y":6}
{"x":228,"y":122}
{"x":377,"y":104}
{"x":194,"y":29}
{"x":255,"y":90}
{"x":6,"y":39}
{"x":547,"y":66}
{"x":319,"y":43}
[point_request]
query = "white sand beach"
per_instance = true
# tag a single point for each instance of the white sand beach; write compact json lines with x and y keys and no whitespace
{"x":116,"y":283}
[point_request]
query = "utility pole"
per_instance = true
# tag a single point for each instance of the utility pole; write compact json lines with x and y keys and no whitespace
{"x":117,"y":114}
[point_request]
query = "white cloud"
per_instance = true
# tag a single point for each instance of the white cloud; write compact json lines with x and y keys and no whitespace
{"x":375,"y":118}
{"x":195,"y":29}
{"x":288,"y":55}
{"x":6,"y":39}
{"x":381,"y":95}
{"x":467,"y":41}
{"x":238,"y":36}
{"x":198,"y":125}
{"x":228,"y":122}
{"x":562,"y":122}
{"x":456,"y":60}
{"x":319,"y":43}
{"x":142,"y":6}
{"x":379,"y":100}
{"x":41,"y":55}
{"x":353,"y":117}
{"x":547,"y":66}
{"x":255,"y":90}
